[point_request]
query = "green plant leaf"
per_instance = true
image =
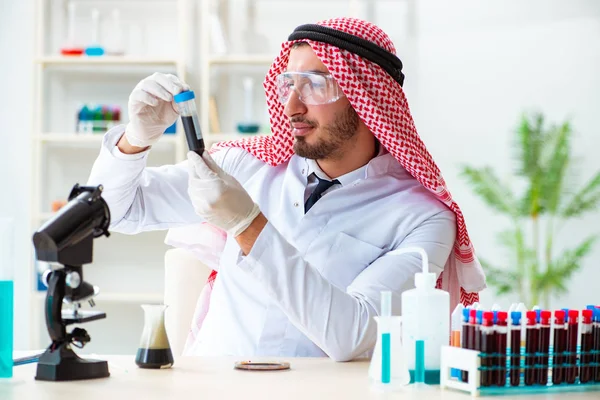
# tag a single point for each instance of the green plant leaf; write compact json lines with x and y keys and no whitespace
{"x":487,"y":185}
{"x":562,"y":268}
{"x":528,"y":145}
{"x":529,"y":149}
{"x":555,"y":167}
{"x":585,"y":200}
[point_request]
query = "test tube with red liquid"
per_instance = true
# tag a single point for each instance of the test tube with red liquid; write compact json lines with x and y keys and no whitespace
{"x":572,"y":328}
{"x":501,"y":334}
{"x":488,"y":346}
{"x":560,"y":345}
{"x":532,"y":335}
{"x":597,"y":343}
{"x":544,"y":347}
{"x":515,"y":348}
{"x":469,"y":337}
{"x":587,"y":345}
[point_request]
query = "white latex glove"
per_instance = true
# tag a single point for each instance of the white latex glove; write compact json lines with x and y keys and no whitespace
{"x":218,"y":197}
{"x":152,"y":109}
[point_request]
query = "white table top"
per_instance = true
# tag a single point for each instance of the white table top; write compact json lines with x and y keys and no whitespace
{"x":215,"y":378}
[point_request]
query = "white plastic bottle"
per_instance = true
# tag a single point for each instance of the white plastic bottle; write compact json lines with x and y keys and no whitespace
{"x":425,"y":324}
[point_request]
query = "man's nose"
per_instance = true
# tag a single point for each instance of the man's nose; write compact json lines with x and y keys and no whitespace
{"x":294,"y":105}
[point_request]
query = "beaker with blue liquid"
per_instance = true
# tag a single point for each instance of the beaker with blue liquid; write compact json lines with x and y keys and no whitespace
{"x":6,"y":298}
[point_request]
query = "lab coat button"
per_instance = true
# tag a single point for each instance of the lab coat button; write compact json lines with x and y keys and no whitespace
{"x":303,"y":172}
{"x":296,"y":204}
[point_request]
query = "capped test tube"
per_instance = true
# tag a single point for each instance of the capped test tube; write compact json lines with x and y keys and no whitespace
{"x":560,"y":346}
{"x":501,"y":337}
{"x":186,"y":106}
{"x":544,"y":347}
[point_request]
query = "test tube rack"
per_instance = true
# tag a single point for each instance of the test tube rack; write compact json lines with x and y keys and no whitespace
{"x":476,"y":364}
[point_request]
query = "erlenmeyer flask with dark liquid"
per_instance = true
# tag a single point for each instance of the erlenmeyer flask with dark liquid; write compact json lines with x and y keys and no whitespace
{"x":154,"y":350}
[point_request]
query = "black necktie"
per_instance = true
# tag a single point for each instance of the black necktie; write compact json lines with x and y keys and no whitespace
{"x":322,"y":186}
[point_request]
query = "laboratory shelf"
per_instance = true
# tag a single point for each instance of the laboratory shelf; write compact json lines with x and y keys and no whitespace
{"x":114,"y":297}
{"x":96,"y":138}
{"x":248,"y":59}
{"x":106,"y":60}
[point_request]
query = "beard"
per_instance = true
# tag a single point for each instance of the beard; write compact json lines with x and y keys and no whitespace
{"x":334,"y":137}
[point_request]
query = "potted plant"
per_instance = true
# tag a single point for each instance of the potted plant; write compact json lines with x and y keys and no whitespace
{"x":536,"y":269}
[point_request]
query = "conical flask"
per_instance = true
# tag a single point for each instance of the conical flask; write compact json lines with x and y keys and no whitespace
{"x":154,"y":350}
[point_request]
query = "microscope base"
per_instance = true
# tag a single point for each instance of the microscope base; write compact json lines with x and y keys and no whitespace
{"x":64,"y":365}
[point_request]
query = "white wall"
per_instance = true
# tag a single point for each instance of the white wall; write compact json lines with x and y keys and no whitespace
{"x":479,"y":66}
{"x":474,"y":67}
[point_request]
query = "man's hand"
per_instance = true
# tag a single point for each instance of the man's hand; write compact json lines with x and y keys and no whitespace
{"x":218,"y":197}
{"x":152,"y":109}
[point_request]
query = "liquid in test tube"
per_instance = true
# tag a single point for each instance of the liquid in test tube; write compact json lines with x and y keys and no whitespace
{"x":468,"y":331}
{"x":515,"y":349}
{"x":597,"y":343}
{"x":587,"y":345}
{"x":560,"y":345}
{"x":572,"y":328}
{"x":531,"y":346}
{"x":186,"y":106}
{"x":544,"y":347}
{"x":501,"y":335}
{"x":488,"y":347}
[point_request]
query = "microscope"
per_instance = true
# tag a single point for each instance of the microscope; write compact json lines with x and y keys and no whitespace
{"x":67,"y":239}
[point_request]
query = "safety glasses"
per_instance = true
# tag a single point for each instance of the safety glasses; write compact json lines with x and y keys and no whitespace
{"x":312,"y":88}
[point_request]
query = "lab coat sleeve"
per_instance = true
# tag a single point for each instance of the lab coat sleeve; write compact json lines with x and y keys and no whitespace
{"x":341,"y":322}
{"x":142,"y":198}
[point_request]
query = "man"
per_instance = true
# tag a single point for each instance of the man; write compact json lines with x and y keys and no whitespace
{"x":312,"y":212}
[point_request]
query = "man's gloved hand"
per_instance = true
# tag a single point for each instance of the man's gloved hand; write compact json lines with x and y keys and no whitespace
{"x":152,"y":109}
{"x":218,"y":197}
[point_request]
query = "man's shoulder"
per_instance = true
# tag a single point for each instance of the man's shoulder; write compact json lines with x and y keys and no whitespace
{"x":406,"y":190}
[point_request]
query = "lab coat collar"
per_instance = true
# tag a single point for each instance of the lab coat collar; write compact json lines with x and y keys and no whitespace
{"x":376,"y":166}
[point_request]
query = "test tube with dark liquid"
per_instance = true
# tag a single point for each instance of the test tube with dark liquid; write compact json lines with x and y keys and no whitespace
{"x":488,"y":348}
{"x":515,"y":348}
{"x":532,"y":335}
{"x":572,"y":328}
{"x":587,"y":344}
{"x":468,"y":332}
{"x":186,"y":106}
{"x":544,"y":347}
{"x":501,"y":334}
{"x":560,"y":345}
{"x":596,"y":330}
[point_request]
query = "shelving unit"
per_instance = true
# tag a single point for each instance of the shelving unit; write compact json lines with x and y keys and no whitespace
{"x":210,"y":62}
{"x":127,"y":269}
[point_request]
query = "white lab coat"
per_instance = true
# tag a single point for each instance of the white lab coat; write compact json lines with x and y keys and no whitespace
{"x":311,"y":284}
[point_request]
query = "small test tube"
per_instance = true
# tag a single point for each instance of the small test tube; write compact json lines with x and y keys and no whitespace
{"x":479,"y":321}
{"x":587,"y":345}
{"x":544,"y":347}
{"x":455,"y":339}
{"x":501,"y":336}
{"x":597,"y":343}
{"x":488,"y":347}
{"x":515,"y":348}
{"x":572,"y":328}
{"x":186,"y":106}
{"x":560,"y":345}
{"x":466,"y":338}
{"x":531,"y":346}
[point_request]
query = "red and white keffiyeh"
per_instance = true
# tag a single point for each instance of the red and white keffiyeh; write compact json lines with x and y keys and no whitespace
{"x":381,"y":103}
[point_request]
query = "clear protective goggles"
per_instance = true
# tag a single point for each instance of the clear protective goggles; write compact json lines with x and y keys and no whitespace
{"x":313,"y":88}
